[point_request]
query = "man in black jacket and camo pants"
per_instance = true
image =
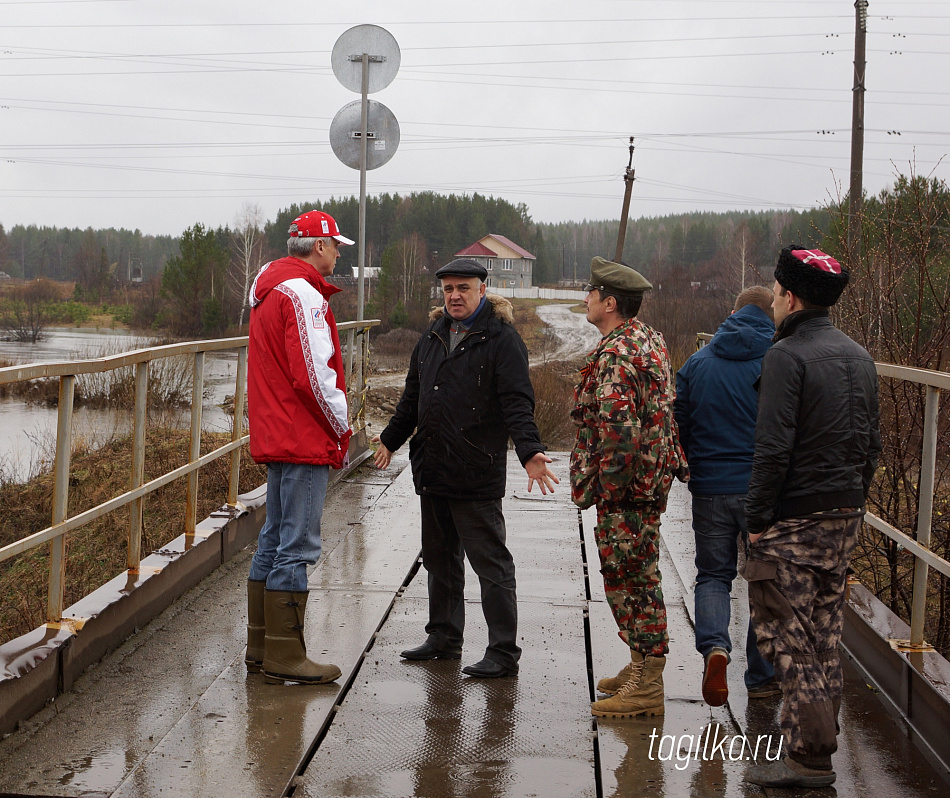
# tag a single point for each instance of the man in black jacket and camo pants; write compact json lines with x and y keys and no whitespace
{"x":816,"y":448}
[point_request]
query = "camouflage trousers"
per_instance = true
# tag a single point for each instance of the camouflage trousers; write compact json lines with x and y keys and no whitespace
{"x":628,"y":542}
{"x":797,"y":579}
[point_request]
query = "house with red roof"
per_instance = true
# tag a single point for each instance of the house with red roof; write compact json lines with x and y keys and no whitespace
{"x":509,"y":266}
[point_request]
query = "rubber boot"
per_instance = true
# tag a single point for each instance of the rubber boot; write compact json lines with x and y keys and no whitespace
{"x":255,"y":626}
{"x":285,"y":653}
{"x":611,"y":684}
{"x":641,"y":694}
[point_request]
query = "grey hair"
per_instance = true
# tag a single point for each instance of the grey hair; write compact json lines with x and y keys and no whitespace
{"x":301,"y":247}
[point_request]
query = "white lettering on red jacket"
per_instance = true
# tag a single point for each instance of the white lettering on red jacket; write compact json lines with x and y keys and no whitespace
{"x":310,"y":308}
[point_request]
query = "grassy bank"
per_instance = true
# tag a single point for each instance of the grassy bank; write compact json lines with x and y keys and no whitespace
{"x":97,"y":552}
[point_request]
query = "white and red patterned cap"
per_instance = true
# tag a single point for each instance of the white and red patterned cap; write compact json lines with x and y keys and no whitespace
{"x":817,"y":259}
{"x":317,"y":224}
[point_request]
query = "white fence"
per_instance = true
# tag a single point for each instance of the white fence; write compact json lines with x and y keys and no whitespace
{"x":539,"y":293}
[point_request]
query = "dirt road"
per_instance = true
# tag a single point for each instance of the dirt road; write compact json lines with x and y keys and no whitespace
{"x":575,"y":336}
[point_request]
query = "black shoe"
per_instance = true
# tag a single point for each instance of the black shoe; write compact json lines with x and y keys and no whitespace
{"x":489,"y":669}
{"x":780,"y":774}
{"x":429,"y":651}
{"x":767,"y":690}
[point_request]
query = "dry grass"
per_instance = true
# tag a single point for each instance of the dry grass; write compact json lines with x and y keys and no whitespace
{"x":554,"y":399}
{"x":97,"y":553}
{"x":529,"y":326}
{"x":390,"y":351}
{"x":169,"y":381}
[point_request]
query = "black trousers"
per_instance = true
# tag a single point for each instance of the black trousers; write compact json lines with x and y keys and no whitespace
{"x":451,"y":530}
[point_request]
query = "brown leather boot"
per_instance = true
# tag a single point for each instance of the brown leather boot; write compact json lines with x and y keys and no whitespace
{"x":254,"y":656}
{"x":285,"y":653}
{"x":641,"y":694}
{"x":611,"y":684}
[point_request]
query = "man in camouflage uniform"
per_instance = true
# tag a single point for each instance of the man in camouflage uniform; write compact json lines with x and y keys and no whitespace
{"x":625,"y":456}
{"x":816,"y":448}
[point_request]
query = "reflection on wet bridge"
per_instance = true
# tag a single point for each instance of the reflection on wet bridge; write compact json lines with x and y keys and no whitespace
{"x":173,"y":712}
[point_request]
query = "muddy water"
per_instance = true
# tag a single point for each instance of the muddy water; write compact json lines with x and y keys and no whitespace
{"x":28,"y":432}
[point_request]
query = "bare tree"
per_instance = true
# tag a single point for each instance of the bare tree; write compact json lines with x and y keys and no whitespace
{"x":680,"y":308}
{"x":247,"y":242}
{"x":742,"y":248}
{"x":26,"y":310}
{"x":403,"y":294}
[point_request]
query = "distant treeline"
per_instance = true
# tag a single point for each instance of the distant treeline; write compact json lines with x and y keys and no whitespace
{"x":60,"y":253}
{"x":705,"y":244}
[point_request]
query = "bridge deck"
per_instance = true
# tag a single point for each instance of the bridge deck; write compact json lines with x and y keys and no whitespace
{"x":173,"y":712}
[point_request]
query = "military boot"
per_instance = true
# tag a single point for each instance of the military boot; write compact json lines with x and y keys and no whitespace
{"x":255,"y":626}
{"x":611,"y":684}
{"x":285,"y":653}
{"x":641,"y":694}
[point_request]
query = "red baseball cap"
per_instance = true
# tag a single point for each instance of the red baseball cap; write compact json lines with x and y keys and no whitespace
{"x":317,"y":224}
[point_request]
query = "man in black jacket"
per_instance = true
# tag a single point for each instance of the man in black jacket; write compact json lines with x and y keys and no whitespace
{"x":816,"y":448}
{"x":467,"y":392}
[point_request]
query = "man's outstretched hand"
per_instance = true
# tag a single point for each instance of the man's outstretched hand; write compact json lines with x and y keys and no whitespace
{"x":538,"y":471}
{"x":383,"y":456}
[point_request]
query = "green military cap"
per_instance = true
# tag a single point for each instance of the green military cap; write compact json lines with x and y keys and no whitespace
{"x":616,"y":278}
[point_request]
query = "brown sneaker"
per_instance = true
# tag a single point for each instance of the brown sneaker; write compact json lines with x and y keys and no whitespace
{"x":715,"y":689}
{"x":641,"y":694}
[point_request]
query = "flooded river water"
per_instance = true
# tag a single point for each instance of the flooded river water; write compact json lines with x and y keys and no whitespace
{"x":28,"y":431}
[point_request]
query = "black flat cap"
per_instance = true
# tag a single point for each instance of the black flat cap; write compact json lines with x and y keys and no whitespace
{"x":463,"y":267}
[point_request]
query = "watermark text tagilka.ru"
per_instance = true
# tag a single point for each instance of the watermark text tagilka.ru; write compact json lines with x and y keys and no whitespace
{"x":708,"y":745}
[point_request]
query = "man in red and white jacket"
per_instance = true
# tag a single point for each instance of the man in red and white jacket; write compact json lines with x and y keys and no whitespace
{"x":296,"y":399}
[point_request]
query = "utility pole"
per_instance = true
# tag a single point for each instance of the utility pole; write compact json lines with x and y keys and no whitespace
{"x":857,"y":129}
{"x":628,"y":178}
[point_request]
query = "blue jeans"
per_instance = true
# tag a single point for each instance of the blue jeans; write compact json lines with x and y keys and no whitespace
{"x":289,"y":541}
{"x":718,"y":523}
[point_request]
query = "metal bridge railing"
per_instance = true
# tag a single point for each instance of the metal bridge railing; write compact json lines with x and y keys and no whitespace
{"x":919,"y":545}
{"x":67,"y":371}
{"x":924,"y":559}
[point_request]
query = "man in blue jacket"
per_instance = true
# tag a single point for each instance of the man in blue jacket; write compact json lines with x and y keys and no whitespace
{"x":715,"y":410}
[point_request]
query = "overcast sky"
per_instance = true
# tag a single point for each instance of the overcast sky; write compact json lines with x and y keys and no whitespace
{"x":156,"y":114}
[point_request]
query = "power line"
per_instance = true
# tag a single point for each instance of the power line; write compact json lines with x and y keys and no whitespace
{"x":533,"y":23}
